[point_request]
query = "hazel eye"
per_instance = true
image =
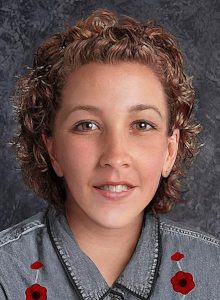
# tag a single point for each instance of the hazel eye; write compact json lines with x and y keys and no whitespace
{"x":144,"y":124}
{"x":88,"y":127}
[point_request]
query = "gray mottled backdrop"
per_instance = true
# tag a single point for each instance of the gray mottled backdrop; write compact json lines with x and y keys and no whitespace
{"x":25,"y":24}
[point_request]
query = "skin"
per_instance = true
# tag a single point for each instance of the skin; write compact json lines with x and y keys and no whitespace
{"x":114,"y":148}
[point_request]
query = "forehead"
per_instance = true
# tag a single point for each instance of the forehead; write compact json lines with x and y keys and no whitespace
{"x":115,"y":87}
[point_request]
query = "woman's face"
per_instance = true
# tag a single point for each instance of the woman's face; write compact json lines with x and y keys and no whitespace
{"x":114,"y":144}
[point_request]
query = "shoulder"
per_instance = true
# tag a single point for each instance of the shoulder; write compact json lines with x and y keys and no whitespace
{"x":188,"y":256}
{"x":19,"y":233}
{"x":174,"y":230}
{"x":189,"y":249}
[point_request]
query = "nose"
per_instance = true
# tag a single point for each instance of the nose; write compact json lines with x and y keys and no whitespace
{"x":116,"y":152}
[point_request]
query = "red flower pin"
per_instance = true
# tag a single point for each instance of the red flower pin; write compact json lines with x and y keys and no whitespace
{"x":177,"y":256}
{"x":36,"y":265}
{"x":182,"y":282}
{"x":36,"y":291}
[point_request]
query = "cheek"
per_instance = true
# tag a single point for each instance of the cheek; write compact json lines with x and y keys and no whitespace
{"x":80,"y":155}
{"x":151,"y":160}
{"x":152,"y":167}
{"x":76,"y":157}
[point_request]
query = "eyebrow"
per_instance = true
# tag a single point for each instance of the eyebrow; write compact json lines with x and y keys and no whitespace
{"x":134,"y":108}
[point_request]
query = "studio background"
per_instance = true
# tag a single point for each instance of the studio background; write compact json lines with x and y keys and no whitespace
{"x":24,"y":26}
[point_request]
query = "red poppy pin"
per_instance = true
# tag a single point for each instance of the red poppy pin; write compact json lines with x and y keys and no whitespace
{"x":36,"y":291}
{"x":182,"y":282}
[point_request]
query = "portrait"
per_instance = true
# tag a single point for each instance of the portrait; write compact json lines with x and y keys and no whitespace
{"x":108,"y":143}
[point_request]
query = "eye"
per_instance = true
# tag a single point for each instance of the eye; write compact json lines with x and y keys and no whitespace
{"x":89,"y":125}
{"x":144,"y":125}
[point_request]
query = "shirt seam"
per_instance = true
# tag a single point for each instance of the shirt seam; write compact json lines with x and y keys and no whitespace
{"x":3,"y":290}
{"x":26,"y":229}
{"x":190,"y":233}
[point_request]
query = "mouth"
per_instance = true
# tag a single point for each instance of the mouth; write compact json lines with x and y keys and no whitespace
{"x":114,"y":195}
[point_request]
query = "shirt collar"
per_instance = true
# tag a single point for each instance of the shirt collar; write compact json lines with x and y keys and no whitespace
{"x":139,"y":275}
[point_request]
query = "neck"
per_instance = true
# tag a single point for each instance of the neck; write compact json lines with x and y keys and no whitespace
{"x":110,"y":249}
{"x":90,"y":235}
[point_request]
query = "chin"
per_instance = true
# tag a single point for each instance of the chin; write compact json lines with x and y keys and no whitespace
{"x":111,"y":220}
{"x":111,"y":225}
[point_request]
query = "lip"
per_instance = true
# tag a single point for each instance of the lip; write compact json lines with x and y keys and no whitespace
{"x":115,"y":183}
{"x":115,"y":195}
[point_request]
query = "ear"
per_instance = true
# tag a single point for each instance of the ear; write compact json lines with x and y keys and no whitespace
{"x":172,"y":148}
{"x":51,"y":149}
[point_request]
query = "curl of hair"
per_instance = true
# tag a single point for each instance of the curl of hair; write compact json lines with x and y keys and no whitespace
{"x":102,"y":38}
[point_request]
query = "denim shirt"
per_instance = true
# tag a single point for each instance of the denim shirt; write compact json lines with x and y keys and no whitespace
{"x":40,"y":259}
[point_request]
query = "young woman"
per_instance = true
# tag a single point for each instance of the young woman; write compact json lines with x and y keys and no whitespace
{"x":106,"y":132}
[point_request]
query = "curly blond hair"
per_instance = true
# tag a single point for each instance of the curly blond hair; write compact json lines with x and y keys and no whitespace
{"x":105,"y":38}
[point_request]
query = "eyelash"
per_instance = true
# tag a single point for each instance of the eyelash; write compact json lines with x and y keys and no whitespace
{"x":75,"y":128}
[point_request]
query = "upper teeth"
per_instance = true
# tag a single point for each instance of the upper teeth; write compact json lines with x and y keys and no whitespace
{"x":115,"y":188}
